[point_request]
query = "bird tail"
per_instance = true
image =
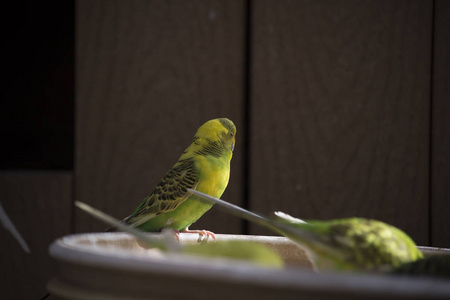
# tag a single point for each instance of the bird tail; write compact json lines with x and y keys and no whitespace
{"x":120,"y":225}
{"x":111,"y":229}
{"x":284,"y":217}
{"x":8,"y":224}
{"x":273,"y":224}
{"x":236,"y":210}
{"x":122,"y":222}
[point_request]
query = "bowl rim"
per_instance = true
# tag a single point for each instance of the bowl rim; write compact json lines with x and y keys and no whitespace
{"x":66,"y":250}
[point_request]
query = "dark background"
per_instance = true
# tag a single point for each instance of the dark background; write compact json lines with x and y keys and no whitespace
{"x":37,"y":108}
{"x":341,"y":109}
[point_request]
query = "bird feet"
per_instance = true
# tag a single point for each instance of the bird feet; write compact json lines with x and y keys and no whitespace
{"x":204,"y":233}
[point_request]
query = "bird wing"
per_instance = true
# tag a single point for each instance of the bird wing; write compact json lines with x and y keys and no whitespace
{"x":170,"y":192}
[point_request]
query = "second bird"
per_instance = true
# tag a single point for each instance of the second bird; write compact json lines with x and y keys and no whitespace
{"x":204,"y":166}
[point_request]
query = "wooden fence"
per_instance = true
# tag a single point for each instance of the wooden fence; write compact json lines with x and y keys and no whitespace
{"x":341,"y":110}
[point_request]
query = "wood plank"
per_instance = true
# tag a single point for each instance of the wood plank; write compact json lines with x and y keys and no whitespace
{"x":149,"y":73}
{"x":39,"y":205}
{"x":340,"y":99}
{"x":440,"y":208}
{"x":39,"y":86}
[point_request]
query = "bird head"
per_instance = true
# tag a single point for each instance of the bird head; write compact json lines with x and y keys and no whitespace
{"x":216,"y":135}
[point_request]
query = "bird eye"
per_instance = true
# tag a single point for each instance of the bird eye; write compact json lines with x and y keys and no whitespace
{"x":231,"y":133}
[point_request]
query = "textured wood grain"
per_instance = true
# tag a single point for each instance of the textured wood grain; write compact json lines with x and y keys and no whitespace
{"x":440,"y":202}
{"x":340,"y":106}
{"x":38,"y":203}
{"x":149,"y":73}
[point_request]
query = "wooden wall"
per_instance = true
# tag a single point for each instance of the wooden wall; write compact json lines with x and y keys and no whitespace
{"x":342,"y":91}
{"x":39,"y":204}
{"x":341,"y":109}
{"x":149,"y":73}
{"x":440,"y":128}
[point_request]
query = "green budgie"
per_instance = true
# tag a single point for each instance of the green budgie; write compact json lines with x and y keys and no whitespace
{"x":240,"y":250}
{"x":434,"y":265}
{"x":345,"y":244}
{"x":203,"y":166}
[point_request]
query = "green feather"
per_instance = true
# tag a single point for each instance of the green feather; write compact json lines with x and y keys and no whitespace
{"x":342,"y":244}
{"x":251,"y":252}
{"x":203,"y":166}
{"x":433,"y":265}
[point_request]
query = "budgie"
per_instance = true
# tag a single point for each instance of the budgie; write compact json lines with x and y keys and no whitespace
{"x":437,"y":265}
{"x":344,"y":244}
{"x":203,"y":166}
{"x":251,"y":252}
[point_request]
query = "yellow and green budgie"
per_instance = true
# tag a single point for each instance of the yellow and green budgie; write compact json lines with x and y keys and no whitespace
{"x":244,"y":251}
{"x":355,"y":244}
{"x":351,"y":243}
{"x":204,"y":166}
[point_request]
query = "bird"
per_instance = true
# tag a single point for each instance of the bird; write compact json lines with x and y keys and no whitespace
{"x":203,"y":166}
{"x":348,"y":244}
{"x":243,"y":251}
{"x":437,"y":266}
{"x":352,"y":243}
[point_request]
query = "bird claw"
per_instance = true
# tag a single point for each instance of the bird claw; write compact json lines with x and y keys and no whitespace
{"x":203,"y":232}
{"x":177,"y":235}
{"x":171,"y":232}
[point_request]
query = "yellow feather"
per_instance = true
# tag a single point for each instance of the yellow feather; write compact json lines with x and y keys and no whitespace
{"x":203,"y":166}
